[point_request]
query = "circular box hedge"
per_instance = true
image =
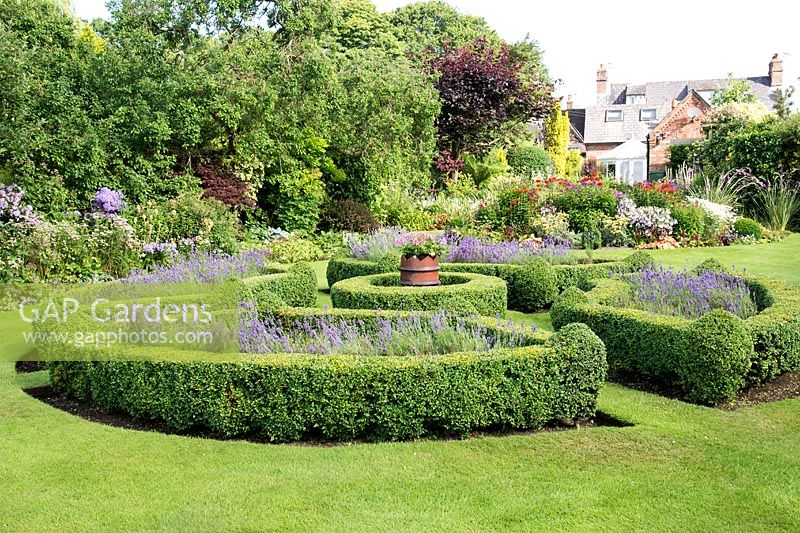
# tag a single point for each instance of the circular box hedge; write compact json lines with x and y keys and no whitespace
{"x":711,"y":358}
{"x":282,"y":285}
{"x":531,"y":287}
{"x":288,"y":397}
{"x":461,"y":292}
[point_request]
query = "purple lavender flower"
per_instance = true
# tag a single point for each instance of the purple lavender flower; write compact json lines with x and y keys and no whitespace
{"x":376,"y":245}
{"x":204,"y":268}
{"x":682,"y":293}
{"x":473,"y":250}
{"x":428,"y":334}
{"x":109,"y":201}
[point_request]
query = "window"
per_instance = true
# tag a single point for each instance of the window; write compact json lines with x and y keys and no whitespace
{"x":646,"y":115}
{"x":614,"y":115}
{"x":634,"y":99}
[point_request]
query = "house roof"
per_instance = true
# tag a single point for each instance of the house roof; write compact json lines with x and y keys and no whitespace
{"x":577,"y":122}
{"x":693,"y":99}
{"x":658,"y":96}
{"x":630,"y":149}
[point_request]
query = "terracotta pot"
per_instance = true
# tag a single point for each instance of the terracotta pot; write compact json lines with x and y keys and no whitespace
{"x":419,"y":271}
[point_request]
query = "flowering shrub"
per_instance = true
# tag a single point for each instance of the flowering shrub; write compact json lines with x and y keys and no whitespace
{"x":516,"y":208}
{"x":552,"y":223}
{"x":437,"y":333}
{"x":204,"y":267}
{"x":377,"y":245}
{"x":656,"y":194}
{"x":724,"y":214}
{"x":473,"y":250}
{"x":421,"y":244}
{"x":109,"y":201}
{"x":683,"y":293}
{"x":648,"y":223}
{"x":11,"y":208}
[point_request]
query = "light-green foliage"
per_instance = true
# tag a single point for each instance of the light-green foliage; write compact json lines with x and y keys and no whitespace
{"x":556,"y":138}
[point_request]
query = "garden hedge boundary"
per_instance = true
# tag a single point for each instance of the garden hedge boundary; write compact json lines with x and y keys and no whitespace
{"x":710,"y":359}
{"x":530,"y":287}
{"x":292,"y":286}
{"x":464,"y":293}
{"x":289,"y":397}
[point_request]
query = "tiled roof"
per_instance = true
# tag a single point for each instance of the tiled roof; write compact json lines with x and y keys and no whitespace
{"x":659,"y":96}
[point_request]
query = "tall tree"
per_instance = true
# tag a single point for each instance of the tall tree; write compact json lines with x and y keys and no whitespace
{"x":556,"y":138}
{"x":482,"y":93}
{"x":434,"y":25}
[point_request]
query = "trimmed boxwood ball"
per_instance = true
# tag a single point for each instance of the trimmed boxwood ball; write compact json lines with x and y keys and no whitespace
{"x":464,"y":293}
{"x":747,"y":227}
{"x":537,"y":285}
{"x":289,"y":397}
{"x":721,"y":348}
{"x":710,"y":358}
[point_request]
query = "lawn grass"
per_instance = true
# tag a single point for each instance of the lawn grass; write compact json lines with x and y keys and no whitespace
{"x":679,"y":467}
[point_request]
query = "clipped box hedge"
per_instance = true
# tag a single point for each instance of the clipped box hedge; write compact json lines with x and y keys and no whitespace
{"x":289,"y":397}
{"x":710,"y":359}
{"x":531,"y":287}
{"x":460,"y":292}
{"x":292,"y":286}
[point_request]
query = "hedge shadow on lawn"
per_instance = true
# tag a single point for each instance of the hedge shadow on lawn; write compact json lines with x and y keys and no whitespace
{"x":709,"y":360}
{"x":92,"y":413}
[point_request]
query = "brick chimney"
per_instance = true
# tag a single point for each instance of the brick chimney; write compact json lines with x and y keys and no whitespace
{"x":602,"y":80}
{"x":775,"y":71}
{"x":569,"y":102}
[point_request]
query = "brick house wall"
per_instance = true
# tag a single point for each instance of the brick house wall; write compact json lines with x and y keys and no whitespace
{"x":683,"y":124}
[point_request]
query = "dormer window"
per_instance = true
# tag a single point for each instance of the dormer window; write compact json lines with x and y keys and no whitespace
{"x":634,"y":99}
{"x":647,"y":115}
{"x":614,"y":115}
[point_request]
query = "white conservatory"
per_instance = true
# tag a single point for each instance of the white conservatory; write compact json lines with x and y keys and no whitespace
{"x":627,"y":162}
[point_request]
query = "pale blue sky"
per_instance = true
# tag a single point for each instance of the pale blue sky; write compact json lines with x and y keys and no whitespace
{"x":638,"y":41}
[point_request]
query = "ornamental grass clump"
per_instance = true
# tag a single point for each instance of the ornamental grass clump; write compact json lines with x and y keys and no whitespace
{"x":438,"y":333}
{"x":683,"y":293}
{"x":777,"y":201}
{"x":205,"y":267}
{"x":474,"y":250}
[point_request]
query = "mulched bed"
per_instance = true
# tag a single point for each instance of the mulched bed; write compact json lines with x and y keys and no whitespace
{"x":26,"y":367}
{"x":784,"y":387}
{"x":92,"y":413}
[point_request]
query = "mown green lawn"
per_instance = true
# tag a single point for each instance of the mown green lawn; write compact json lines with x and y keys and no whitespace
{"x":680,"y":467}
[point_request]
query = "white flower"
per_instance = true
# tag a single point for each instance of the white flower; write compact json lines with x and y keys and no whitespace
{"x":723,"y":213}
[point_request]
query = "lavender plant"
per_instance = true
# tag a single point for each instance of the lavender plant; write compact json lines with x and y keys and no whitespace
{"x":376,"y":245}
{"x":436,"y":333}
{"x":683,"y":293}
{"x":204,"y":267}
{"x":473,"y":250}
